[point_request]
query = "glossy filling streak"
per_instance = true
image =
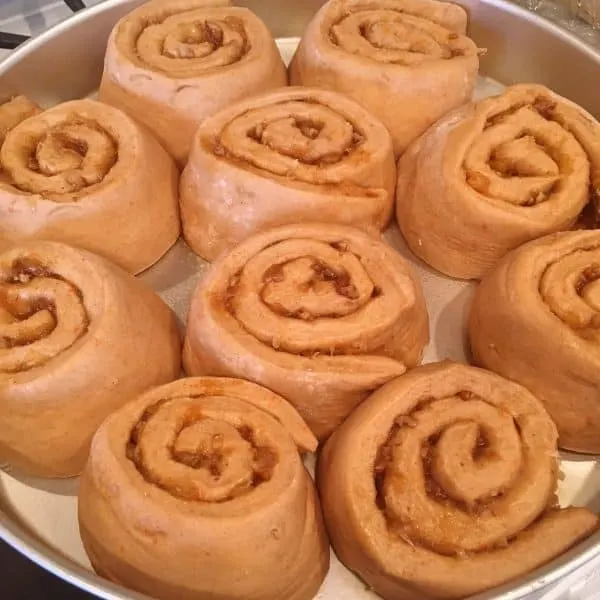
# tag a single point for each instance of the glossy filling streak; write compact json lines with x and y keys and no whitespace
{"x":41,"y":315}
{"x":395,"y":37}
{"x":455,"y":477}
{"x":196,"y":449}
{"x":525,"y":155}
{"x":67,"y":157}
{"x":301,"y":139}
{"x":191,"y":42}
{"x":570,"y":287}
{"x":308,"y":297}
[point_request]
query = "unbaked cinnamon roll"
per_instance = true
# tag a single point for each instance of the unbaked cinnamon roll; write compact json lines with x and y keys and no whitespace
{"x":79,"y":337}
{"x":536,"y":320}
{"x":197,"y":490}
{"x":172,"y":63}
{"x":85,"y":174}
{"x":294,"y":155}
{"x":321,"y":314}
{"x":443,"y":483}
{"x":494,"y":175}
{"x":407,"y":61}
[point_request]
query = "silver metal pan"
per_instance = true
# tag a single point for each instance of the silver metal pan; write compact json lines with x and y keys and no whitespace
{"x":37,"y":517}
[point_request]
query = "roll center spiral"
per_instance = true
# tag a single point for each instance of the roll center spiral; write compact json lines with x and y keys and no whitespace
{"x":186,"y":44}
{"x":394,"y":37}
{"x":311,"y":140}
{"x":300,"y":139}
{"x":196,"y":451}
{"x":306,"y":288}
{"x":589,"y":286}
{"x":63,"y":159}
{"x":307,"y":297}
{"x":452,"y":472}
{"x":193,"y":40}
{"x":394,"y":34}
{"x":571,"y":289}
{"x":41,"y":315}
{"x":524,"y":155}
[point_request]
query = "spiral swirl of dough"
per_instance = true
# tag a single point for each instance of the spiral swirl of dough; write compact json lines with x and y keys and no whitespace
{"x":67,"y":334}
{"x":442,"y":484}
{"x":211,"y":468}
{"x":172,"y":63}
{"x":321,"y":155}
{"x":499,"y":173}
{"x":41,"y":315}
{"x":188,"y":43}
{"x":60,"y":160}
{"x":387,"y":34}
{"x":414,"y":51}
{"x":321,"y":314}
{"x":542,"y":329}
{"x":81,"y":169}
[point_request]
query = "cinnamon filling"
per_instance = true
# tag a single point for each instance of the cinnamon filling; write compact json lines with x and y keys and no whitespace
{"x":589,"y":275}
{"x":434,"y":490}
{"x":64,"y":159}
{"x":383,"y":458}
{"x":577,"y":304}
{"x":299,"y":132}
{"x":395,"y":37}
{"x":273,"y":135}
{"x":529,"y":160}
{"x":341,"y":246}
{"x":590,"y":216}
{"x":29,"y":316}
{"x":309,"y":129}
{"x":212,"y":456}
{"x":213,"y":34}
{"x":338,"y":277}
{"x":188,"y":40}
{"x":545,"y":107}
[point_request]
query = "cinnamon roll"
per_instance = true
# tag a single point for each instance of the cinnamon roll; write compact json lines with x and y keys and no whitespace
{"x":85,"y":174}
{"x":494,"y":175}
{"x":536,"y":320}
{"x":79,"y":337}
{"x":443,"y":484}
{"x":321,"y":314}
{"x":172,"y":63}
{"x":407,"y":61}
{"x":197,"y":490}
{"x":294,"y":155}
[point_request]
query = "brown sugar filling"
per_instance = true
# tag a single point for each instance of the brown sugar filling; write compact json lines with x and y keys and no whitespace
{"x":22,"y":271}
{"x":265,"y":459}
{"x":434,"y":491}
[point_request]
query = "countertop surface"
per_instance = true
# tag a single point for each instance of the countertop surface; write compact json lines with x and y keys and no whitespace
{"x":23,"y":580}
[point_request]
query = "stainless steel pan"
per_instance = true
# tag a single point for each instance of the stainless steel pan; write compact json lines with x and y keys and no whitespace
{"x":38,"y":518}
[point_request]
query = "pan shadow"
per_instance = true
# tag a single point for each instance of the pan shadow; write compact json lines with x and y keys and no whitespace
{"x":449,"y":336}
{"x":60,"y":487}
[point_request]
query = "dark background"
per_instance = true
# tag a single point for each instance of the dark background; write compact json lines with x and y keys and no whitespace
{"x":23,"y":580}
